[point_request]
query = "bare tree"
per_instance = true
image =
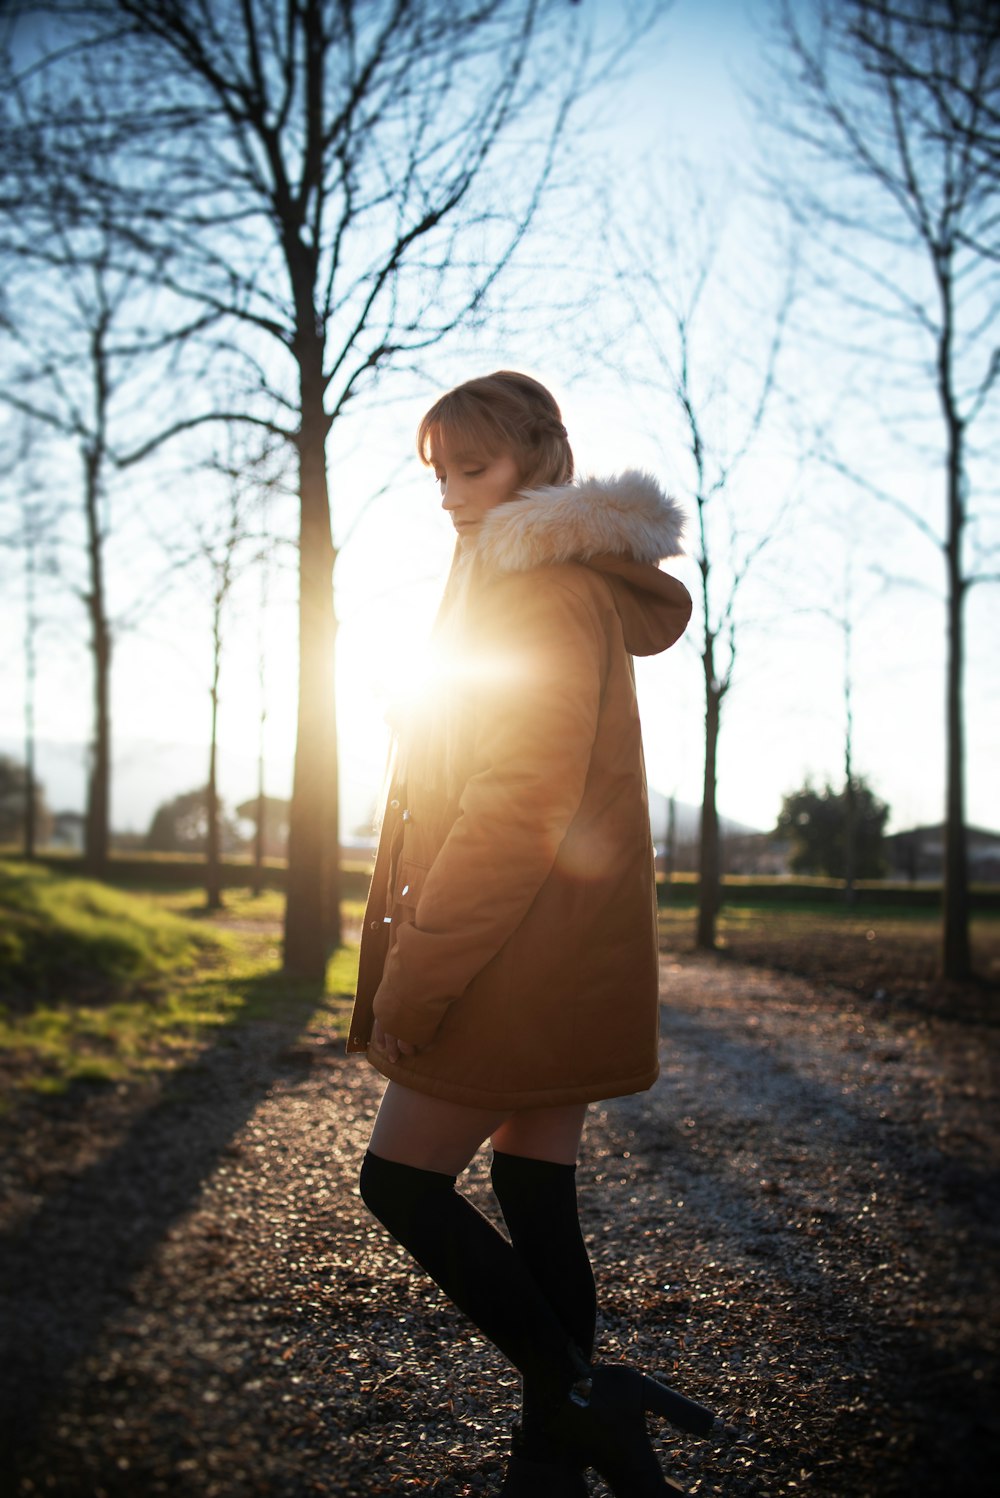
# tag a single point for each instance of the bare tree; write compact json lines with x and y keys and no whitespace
{"x":239,"y":542}
{"x":712,"y":403}
{"x":77,"y":352}
{"x":220,"y":552}
{"x":260,"y":805}
{"x":225,"y":542}
{"x":846,"y":624}
{"x":30,"y":532}
{"x":845,"y":616}
{"x":892,"y":107}
{"x":71,"y":396}
{"x":315,"y":171}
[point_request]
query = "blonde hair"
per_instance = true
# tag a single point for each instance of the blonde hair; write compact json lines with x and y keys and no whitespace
{"x":501,"y":412}
{"x":504,"y":412}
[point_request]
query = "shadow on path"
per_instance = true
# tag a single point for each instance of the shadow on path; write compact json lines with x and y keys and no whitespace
{"x":69,"y":1267}
{"x":838,"y":1203}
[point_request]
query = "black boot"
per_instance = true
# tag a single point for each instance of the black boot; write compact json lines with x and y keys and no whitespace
{"x":604,"y":1427}
{"x":580,"y":1416}
{"x":535,"y":1471}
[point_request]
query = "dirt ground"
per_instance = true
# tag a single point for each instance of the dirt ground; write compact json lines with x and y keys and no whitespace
{"x":798,"y":1225}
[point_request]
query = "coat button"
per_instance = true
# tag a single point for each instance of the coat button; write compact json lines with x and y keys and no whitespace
{"x":394,"y":804}
{"x":374,"y":925}
{"x":407,"y":817}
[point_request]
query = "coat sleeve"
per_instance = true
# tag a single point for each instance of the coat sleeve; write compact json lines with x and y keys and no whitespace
{"x":537,"y":716}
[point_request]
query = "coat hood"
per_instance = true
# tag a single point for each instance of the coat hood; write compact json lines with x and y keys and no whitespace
{"x":620,"y":526}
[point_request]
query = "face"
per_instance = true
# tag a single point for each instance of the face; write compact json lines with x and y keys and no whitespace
{"x":472,"y":486}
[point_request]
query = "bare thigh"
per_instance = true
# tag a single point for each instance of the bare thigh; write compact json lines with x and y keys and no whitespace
{"x":431,"y":1134}
{"x":543,"y":1133}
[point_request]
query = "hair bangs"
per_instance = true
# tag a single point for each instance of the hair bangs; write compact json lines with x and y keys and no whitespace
{"x":501,"y":412}
{"x":461,"y":425}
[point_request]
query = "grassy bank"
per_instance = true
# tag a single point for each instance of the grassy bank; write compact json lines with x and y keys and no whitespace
{"x":890,"y":955}
{"x":99,"y":984}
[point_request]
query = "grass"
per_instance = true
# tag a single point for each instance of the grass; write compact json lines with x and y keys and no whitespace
{"x":102,"y":985}
{"x":76,"y":938}
{"x":889,"y":954}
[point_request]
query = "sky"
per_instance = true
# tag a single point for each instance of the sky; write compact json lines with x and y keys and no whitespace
{"x":783,"y":718}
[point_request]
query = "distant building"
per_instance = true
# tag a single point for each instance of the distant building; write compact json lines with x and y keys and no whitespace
{"x":918,"y":854}
{"x":676,"y":828}
{"x":759,"y":853}
{"x":756,"y":853}
{"x":67,"y":830}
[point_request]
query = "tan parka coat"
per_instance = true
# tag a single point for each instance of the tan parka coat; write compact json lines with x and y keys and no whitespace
{"x":510,"y":931}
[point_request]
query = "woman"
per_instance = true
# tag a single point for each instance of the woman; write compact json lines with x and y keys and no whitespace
{"x":509,"y":962}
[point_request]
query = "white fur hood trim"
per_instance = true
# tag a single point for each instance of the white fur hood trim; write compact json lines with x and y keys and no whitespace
{"x":627,"y":515}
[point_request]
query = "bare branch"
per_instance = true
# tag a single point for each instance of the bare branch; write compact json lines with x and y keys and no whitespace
{"x":189,"y":423}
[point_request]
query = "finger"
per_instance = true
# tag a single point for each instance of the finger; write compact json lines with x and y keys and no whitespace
{"x":390,"y":1045}
{"x":378,"y":1035}
{"x":407,"y":1048}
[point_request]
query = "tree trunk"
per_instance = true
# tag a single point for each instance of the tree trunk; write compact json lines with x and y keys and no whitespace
{"x":213,"y":870}
{"x":30,"y":808}
{"x":313,"y":904}
{"x":850,"y":789}
{"x":95,"y":851}
{"x":708,"y":862}
{"x":257,"y":878}
{"x":956,"y":957}
{"x":670,"y":848}
{"x":850,"y":839}
{"x":331,"y":913}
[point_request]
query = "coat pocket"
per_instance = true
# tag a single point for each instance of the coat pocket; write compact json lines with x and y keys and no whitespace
{"x":409,"y":884}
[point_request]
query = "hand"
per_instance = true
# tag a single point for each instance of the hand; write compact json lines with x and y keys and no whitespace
{"x":393,"y":1047}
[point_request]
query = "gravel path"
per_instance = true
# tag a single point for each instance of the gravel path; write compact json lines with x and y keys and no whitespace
{"x":799,"y":1224}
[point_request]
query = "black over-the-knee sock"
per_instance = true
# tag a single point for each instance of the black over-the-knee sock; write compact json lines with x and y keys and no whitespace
{"x":476,"y":1268}
{"x":538,"y":1201}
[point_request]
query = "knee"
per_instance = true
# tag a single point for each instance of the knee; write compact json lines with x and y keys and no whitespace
{"x":502,"y":1170}
{"x":523,"y":1176}
{"x":393,"y":1192}
{"x":368,"y":1181}
{"x":513,"y":1177}
{"x":380,"y":1184}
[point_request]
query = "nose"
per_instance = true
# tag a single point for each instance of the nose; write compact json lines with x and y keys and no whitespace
{"x":450,"y":498}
